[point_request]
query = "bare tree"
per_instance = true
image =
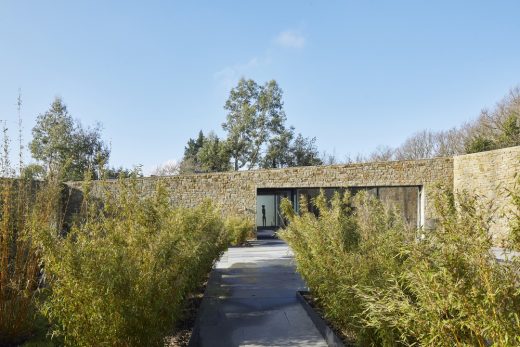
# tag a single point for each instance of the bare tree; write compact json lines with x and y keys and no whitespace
{"x":421,"y":145}
{"x":170,"y":168}
{"x":450,"y":143}
{"x":501,"y":124}
{"x":382,"y":153}
{"x":329,"y":158}
{"x":359,"y":158}
{"x":495,"y":128}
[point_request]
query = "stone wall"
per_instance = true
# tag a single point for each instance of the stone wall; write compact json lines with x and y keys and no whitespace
{"x":490,"y":175}
{"x":235,"y":192}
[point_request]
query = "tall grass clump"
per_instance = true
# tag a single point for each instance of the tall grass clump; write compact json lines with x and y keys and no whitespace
{"x":19,"y":258}
{"x":239,"y":229}
{"x":120,"y":276}
{"x":384,"y":284}
{"x":19,"y":265}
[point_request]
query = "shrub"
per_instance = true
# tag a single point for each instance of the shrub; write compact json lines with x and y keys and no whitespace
{"x":240,"y":230}
{"x":514,"y":236}
{"x":21,"y":211}
{"x":380,"y":283}
{"x":121,"y":274}
{"x":19,"y":264}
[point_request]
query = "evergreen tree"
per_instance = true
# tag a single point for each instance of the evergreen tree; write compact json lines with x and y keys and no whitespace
{"x":61,"y":144}
{"x":304,"y":152}
{"x":214,"y":155}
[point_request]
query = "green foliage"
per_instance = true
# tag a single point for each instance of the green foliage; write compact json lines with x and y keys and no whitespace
{"x":256,"y":135}
{"x":19,"y":263}
{"x":255,"y":114}
{"x":194,"y":145}
{"x":21,"y":210}
{"x":239,"y":229}
{"x":278,"y":153}
{"x":387,"y":285}
{"x":205,"y":154}
{"x":33,"y":172}
{"x":496,"y":128}
{"x":510,"y":135}
{"x":284,"y":150}
{"x":214,"y":155}
{"x":479,"y":144}
{"x":62,"y":144}
{"x":514,"y":237}
{"x":190,"y":161}
{"x":453,"y":291}
{"x":119,"y":172}
{"x":122,"y":273}
{"x":241,"y":122}
{"x":304,"y":152}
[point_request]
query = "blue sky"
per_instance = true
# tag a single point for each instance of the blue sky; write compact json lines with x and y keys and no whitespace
{"x":355,"y":74}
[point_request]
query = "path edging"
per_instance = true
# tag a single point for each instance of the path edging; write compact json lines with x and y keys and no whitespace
{"x":194,"y":338}
{"x":328,"y":334}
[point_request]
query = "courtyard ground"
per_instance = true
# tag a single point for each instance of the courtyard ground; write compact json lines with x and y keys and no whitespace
{"x":251,"y":300}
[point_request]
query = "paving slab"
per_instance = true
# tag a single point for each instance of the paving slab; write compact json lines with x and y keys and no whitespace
{"x":251,"y":300}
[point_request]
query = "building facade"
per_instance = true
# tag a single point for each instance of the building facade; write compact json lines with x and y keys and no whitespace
{"x":408,"y":185}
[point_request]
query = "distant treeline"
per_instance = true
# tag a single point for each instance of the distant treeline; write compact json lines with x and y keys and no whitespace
{"x":257,"y":137}
{"x":496,"y":128}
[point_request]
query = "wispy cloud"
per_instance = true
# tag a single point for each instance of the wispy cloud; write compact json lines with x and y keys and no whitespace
{"x":290,"y":39}
{"x":228,"y":76}
{"x":231,"y":73}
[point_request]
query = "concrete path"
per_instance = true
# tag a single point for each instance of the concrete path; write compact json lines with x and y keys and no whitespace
{"x":250,"y":300}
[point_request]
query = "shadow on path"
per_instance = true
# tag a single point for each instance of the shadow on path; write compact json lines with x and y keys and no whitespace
{"x":251,"y":300}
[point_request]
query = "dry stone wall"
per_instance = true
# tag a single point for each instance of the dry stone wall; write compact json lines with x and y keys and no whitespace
{"x":490,"y":175}
{"x":235,"y":192}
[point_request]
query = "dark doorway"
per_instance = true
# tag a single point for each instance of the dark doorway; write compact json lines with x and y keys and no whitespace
{"x":268,"y":213}
{"x":408,"y":200}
